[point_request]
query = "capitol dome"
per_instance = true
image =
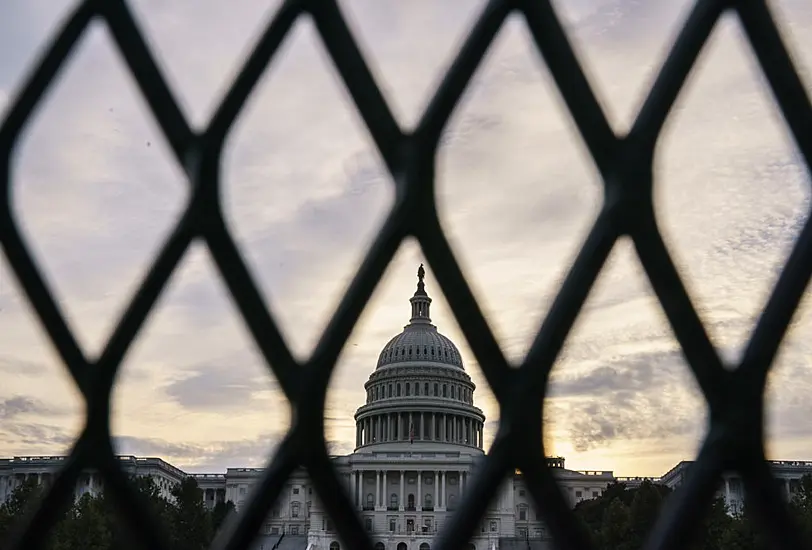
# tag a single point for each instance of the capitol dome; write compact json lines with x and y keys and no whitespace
{"x":419,"y":393}
{"x":420,"y":341}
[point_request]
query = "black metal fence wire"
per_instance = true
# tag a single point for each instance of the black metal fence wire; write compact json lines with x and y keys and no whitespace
{"x":734,"y":396}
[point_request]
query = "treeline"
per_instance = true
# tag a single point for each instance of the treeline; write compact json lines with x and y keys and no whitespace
{"x":621,"y":518}
{"x":94,"y":523}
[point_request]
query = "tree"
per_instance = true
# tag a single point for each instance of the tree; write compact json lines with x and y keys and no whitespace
{"x":84,"y":527}
{"x":191,"y":527}
{"x":615,"y":525}
{"x":221,"y":511}
{"x":643,"y":512}
{"x":17,"y":504}
{"x":713,"y":530}
{"x":149,"y":496}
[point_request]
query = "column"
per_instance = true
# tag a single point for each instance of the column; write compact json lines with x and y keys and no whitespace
{"x":360,"y":490}
{"x":389,"y":427}
{"x":727,"y":491}
{"x":422,"y":427}
{"x":462,"y":483}
{"x":354,"y":492}
{"x":411,"y":425}
{"x":400,"y":427}
{"x":419,"y":504}
{"x":402,"y":490}
{"x":377,"y":489}
{"x":436,"y":489}
{"x":443,"y":478}
{"x":385,"y":503}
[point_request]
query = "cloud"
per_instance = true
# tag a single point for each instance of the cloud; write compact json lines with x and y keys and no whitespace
{"x":209,"y":388}
{"x":22,"y":438}
{"x":304,"y":193}
{"x":19,"y":405}
{"x":194,"y":457}
{"x":19,"y":366}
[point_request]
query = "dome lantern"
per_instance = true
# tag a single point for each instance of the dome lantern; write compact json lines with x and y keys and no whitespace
{"x":420,"y":301}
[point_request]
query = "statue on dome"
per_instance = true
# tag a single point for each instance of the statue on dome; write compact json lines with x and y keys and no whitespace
{"x":421,"y":272}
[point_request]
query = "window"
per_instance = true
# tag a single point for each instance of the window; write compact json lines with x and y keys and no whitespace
{"x":427,"y":502}
{"x":295,"y":490}
{"x":392,"y":525}
{"x":522,"y":513}
{"x":445,"y":390}
{"x":521,"y":492}
{"x":274,"y":530}
{"x":435,"y":390}
{"x":393,"y":500}
{"x":368,"y":525}
{"x":425,"y":546}
{"x":410,"y":502}
{"x":370,"y":500}
{"x":409,"y":526}
{"x":426,"y":388}
{"x":594,"y":494}
{"x":578,"y":494}
{"x":494,"y":526}
{"x":523,"y":533}
{"x":390,"y":390}
{"x":398,"y":390}
{"x":379,"y":546}
{"x":408,"y":389}
{"x":335,"y":546}
{"x":401,"y":546}
{"x":294,"y":529}
{"x":294,"y":510}
{"x":242,"y":491}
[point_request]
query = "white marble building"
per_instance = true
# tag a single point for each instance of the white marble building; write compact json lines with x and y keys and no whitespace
{"x":418,"y":443}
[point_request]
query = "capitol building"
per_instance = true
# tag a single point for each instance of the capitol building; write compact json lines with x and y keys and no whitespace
{"x":418,"y":445}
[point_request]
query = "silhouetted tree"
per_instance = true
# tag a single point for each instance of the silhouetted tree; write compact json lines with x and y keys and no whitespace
{"x":84,"y":527}
{"x":191,"y":523}
{"x":16,"y":505}
{"x":221,"y":511}
{"x":643,"y":513}
{"x":615,"y":525}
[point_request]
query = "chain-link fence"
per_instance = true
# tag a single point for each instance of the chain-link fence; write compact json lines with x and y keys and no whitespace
{"x":735,"y":396}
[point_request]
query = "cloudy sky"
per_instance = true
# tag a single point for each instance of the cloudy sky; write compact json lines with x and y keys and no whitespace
{"x":96,"y":192}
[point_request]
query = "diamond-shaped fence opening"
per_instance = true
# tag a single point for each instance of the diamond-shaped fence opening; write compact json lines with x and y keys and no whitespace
{"x":734,"y":440}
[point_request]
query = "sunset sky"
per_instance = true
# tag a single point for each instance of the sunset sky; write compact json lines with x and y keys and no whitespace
{"x":96,"y":192}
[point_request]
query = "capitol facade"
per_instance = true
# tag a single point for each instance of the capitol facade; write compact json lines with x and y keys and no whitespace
{"x":418,"y":444}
